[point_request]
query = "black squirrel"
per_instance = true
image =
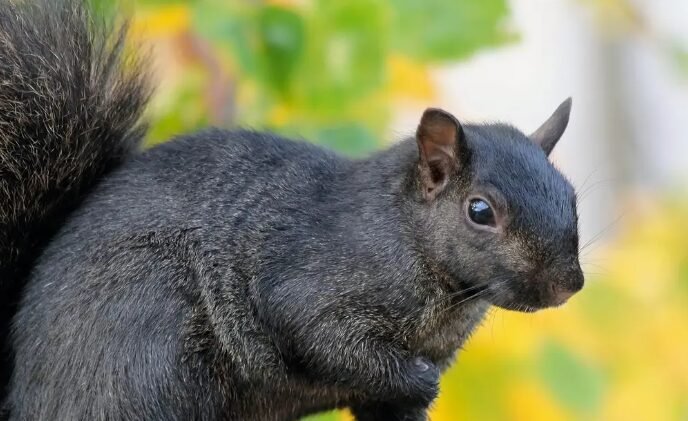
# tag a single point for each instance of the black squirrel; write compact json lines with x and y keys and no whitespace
{"x":238,"y":275}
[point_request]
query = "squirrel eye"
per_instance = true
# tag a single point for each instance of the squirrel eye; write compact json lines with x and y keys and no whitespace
{"x":480,"y":212}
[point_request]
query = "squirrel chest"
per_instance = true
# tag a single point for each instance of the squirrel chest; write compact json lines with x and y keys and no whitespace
{"x":446,"y":329}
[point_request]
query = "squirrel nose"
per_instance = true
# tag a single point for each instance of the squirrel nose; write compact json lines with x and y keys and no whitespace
{"x":571,"y":285}
{"x":562,"y":295}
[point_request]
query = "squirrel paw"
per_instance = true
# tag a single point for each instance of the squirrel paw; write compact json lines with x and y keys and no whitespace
{"x":424,"y":378}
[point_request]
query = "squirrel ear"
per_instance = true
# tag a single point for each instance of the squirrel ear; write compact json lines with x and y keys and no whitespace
{"x":440,"y":141}
{"x":551,"y":130}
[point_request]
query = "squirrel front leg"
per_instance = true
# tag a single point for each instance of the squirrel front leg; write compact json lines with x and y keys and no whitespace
{"x":357,"y":352}
{"x":373,"y":370}
{"x":398,"y":410}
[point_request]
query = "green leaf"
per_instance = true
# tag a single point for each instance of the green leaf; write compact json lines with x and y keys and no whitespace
{"x":328,"y":416}
{"x":573,"y":382}
{"x":351,"y":139}
{"x":345,"y":57}
{"x":282,"y":39}
{"x":229,"y":25}
{"x":440,"y":30}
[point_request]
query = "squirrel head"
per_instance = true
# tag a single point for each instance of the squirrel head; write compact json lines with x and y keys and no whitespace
{"x":493,"y":215}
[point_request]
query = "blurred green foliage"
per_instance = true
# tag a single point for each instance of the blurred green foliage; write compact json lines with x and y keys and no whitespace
{"x":324,"y":70}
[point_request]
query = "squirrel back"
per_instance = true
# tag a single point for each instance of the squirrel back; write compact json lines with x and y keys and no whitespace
{"x":70,"y":105}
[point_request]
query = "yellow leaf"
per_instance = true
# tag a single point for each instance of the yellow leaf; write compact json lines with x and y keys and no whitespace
{"x":162,"y":21}
{"x":409,"y":80}
{"x":527,"y":401}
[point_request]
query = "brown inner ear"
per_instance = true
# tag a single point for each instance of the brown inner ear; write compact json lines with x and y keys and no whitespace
{"x":438,"y":137}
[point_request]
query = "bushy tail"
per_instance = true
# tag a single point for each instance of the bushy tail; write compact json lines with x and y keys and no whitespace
{"x":70,"y":104}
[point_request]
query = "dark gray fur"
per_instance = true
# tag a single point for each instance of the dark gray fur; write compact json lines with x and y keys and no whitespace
{"x":243,"y":276}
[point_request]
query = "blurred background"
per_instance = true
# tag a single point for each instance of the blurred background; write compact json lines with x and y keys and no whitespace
{"x":355,"y":75}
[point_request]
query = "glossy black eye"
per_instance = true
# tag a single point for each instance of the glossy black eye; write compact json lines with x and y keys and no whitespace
{"x":480,"y":212}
